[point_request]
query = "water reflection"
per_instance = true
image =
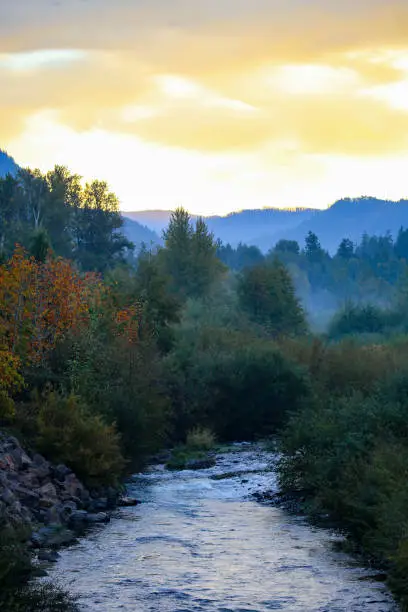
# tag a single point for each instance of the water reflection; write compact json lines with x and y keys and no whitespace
{"x":201,"y":544}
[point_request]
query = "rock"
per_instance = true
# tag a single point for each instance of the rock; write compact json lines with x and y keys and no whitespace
{"x":38,"y":572}
{"x":52,"y":536}
{"x":55,"y":515}
{"x":39,"y":460}
{"x":46,"y":503}
{"x":48,"y":491}
{"x":27,"y":496}
{"x":128,"y":502}
{"x":29,"y":479}
{"x":160,"y":458}
{"x":70,"y":507}
{"x":78,"y":517}
{"x":7,"y":463}
{"x":34,"y":492}
{"x":200,"y":464}
{"x":48,"y":555}
{"x":7,"y":496}
{"x":100,"y":517}
{"x":61,"y":471}
{"x":98,"y":504}
{"x":74,"y":488}
{"x":40,"y":537}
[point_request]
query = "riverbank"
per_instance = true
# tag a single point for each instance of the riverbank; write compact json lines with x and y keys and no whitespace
{"x":199,"y":541}
{"x":43,"y":507}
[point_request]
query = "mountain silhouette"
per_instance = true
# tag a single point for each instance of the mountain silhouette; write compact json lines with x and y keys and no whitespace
{"x":346,"y":218}
{"x":138,"y":233}
{"x":7,"y":164}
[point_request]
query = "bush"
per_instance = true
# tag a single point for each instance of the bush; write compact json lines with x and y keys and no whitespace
{"x":358,"y":319}
{"x":237,"y":385}
{"x":200,"y":438}
{"x":41,"y":598}
{"x":347,"y":366}
{"x":15,"y":561}
{"x":69,"y":434}
{"x":349,"y":457}
{"x":16,"y":595}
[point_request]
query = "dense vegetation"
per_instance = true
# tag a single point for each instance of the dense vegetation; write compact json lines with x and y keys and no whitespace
{"x":370,"y":272}
{"x":107,"y":357}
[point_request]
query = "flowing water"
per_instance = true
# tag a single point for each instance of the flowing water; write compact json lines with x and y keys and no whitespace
{"x":202,"y":544}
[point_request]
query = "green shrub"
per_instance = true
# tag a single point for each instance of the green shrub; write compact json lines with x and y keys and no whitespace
{"x":69,"y":434}
{"x":358,"y":319}
{"x":41,"y":598}
{"x":15,"y":560}
{"x":239,"y":386}
{"x":200,"y":438}
{"x":349,"y":457}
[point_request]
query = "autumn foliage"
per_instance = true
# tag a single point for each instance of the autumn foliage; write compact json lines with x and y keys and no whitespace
{"x":40,"y":303}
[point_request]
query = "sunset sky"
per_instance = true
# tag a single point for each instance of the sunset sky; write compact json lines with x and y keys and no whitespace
{"x":217,"y":105}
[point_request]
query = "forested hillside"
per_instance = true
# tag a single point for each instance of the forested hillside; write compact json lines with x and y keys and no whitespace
{"x":372,"y":271}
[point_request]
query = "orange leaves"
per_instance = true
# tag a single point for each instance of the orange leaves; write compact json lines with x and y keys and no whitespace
{"x":39,"y":303}
{"x":128,"y":322}
{"x":16,"y":298}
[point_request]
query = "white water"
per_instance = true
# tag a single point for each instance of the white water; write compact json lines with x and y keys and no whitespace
{"x":197,"y":544}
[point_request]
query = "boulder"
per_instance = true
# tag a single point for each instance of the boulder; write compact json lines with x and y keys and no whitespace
{"x":97,"y":505}
{"x":74,"y":487}
{"x":27,"y":496}
{"x":126,"y":502}
{"x":7,"y":496}
{"x":61,"y":471}
{"x":78,"y":517}
{"x":100,"y":517}
{"x":51,"y":556}
{"x":52,"y":536}
{"x":48,"y":491}
{"x":200,"y":464}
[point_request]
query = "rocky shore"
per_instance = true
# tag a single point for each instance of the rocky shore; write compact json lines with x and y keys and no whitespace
{"x":48,"y":500}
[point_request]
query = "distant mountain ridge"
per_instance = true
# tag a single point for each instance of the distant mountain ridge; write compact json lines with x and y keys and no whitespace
{"x":250,"y":226}
{"x":7,"y":164}
{"x":138,"y":233}
{"x":346,"y":218}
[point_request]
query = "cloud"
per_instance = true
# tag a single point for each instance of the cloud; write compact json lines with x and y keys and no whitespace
{"x":261,"y":70}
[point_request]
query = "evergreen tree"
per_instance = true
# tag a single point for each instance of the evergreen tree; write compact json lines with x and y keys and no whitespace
{"x":346,"y":249}
{"x":266,"y":292}
{"x":206,"y":267}
{"x":313,"y":249}
{"x":40,"y":245}
{"x":177,"y":252}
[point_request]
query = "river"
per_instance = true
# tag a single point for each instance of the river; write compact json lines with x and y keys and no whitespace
{"x":200,"y":543}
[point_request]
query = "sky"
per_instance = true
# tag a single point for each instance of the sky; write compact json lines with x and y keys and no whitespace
{"x":216,"y":105}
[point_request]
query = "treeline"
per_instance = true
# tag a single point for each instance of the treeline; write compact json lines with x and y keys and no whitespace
{"x":366,"y":272}
{"x":54,"y":210}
